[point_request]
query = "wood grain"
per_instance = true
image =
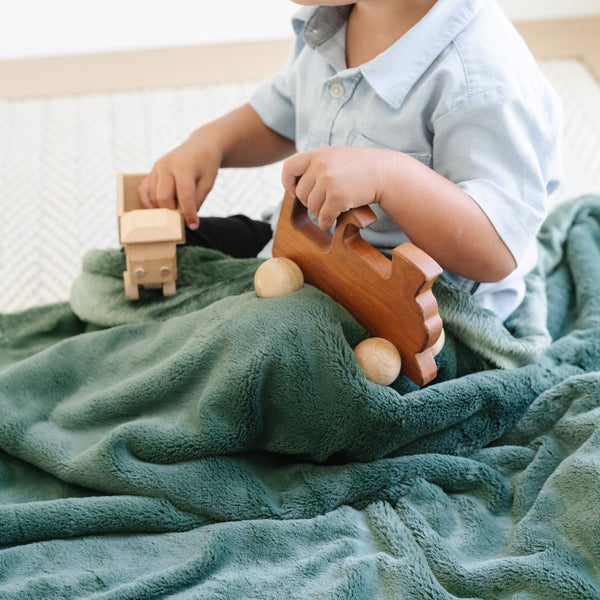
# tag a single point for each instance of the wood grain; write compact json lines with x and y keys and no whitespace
{"x":392,"y":299}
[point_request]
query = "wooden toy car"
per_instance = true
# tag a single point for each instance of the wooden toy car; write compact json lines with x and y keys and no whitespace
{"x":392,"y":299}
{"x":150,"y":238}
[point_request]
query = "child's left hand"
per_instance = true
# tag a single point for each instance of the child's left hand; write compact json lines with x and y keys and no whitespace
{"x":333,"y":179}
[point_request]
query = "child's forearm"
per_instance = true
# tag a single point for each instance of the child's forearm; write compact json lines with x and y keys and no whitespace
{"x":243,"y":140}
{"x":432,"y":211}
{"x":444,"y":221}
{"x":186,"y":175}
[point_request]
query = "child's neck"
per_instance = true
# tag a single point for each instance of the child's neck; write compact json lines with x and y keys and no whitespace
{"x":374,"y":25}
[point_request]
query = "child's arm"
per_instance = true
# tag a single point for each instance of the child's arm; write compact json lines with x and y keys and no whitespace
{"x":186,"y":174}
{"x":435,"y":214}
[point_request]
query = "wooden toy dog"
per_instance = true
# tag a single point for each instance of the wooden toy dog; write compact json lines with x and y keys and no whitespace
{"x":150,"y":238}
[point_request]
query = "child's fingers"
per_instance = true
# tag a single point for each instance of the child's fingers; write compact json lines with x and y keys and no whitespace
{"x":186,"y":199}
{"x":314,"y":198}
{"x":304,"y":190}
{"x":293,"y":169}
{"x":327,"y":215}
{"x":165,"y":190}
{"x":144,"y":192}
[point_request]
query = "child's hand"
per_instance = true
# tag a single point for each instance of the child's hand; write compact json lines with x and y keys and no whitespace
{"x":185,"y":175}
{"x":183,"y":178}
{"x":333,"y":179}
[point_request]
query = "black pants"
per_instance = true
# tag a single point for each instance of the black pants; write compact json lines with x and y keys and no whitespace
{"x":238,"y":235}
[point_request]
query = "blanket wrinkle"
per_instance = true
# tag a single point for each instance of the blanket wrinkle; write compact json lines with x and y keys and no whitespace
{"x":215,"y":444}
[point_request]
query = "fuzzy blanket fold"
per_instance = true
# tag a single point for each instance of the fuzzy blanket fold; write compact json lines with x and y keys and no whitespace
{"x":218,"y":445}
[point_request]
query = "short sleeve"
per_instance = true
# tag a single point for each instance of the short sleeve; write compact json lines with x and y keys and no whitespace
{"x":273,"y":104}
{"x":504,"y":152}
{"x":272,"y":100}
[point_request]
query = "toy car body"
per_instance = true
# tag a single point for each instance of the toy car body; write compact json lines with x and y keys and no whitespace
{"x":150,"y":238}
{"x":392,"y":299}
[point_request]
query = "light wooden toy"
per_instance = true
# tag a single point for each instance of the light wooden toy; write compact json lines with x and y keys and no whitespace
{"x":379,"y":359}
{"x":150,"y":238}
{"x":391,"y":299}
{"x":277,"y":277}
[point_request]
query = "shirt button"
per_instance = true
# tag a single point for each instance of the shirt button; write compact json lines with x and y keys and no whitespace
{"x":336,"y":90}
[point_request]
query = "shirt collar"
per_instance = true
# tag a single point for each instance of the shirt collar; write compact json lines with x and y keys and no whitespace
{"x":318,"y":24}
{"x":394,"y":72}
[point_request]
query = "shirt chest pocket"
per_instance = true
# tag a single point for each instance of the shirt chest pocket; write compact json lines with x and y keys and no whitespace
{"x":355,"y":138}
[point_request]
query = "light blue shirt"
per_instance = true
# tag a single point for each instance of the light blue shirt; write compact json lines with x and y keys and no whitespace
{"x":459,"y":91}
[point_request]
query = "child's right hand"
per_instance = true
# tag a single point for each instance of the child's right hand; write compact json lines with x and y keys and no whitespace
{"x":183,"y":178}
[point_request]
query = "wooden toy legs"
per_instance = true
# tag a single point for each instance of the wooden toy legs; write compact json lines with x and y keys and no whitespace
{"x":132,"y":291}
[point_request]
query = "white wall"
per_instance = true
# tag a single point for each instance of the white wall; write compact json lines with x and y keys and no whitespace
{"x":56,"y":27}
{"x":30,"y":28}
{"x":540,"y":10}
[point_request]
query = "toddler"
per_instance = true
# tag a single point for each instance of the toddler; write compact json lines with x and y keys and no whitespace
{"x":434,"y":113}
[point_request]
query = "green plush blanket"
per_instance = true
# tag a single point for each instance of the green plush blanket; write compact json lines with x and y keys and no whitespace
{"x":216,"y":445}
